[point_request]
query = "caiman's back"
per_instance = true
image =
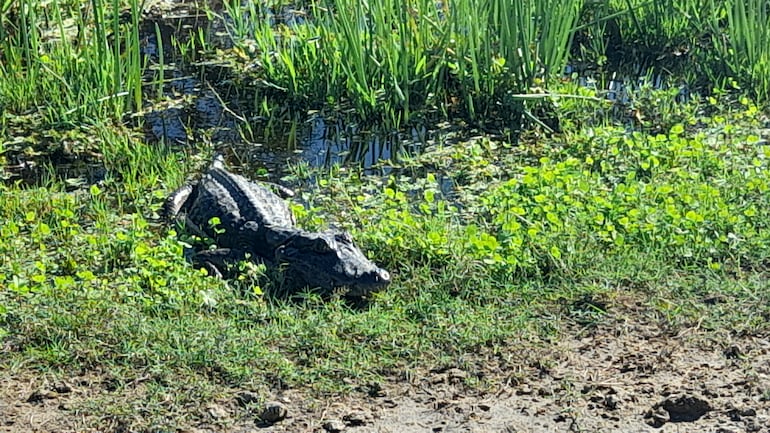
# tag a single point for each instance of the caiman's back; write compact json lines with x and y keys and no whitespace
{"x":245,"y":210}
{"x":235,"y":200}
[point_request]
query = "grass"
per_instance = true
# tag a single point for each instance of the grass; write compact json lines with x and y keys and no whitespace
{"x":74,"y":67}
{"x":666,"y":210}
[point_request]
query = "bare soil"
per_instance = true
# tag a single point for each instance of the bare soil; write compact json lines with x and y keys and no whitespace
{"x":626,"y":376}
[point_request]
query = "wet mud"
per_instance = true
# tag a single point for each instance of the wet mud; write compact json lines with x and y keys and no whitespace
{"x":626,"y":375}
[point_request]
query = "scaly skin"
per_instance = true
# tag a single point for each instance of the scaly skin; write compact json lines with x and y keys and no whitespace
{"x":257,"y":224}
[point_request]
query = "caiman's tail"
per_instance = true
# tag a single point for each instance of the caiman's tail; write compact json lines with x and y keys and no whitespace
{"x":183,"y":197}
{"x":177,"y":201}
{"x":218,"y":161}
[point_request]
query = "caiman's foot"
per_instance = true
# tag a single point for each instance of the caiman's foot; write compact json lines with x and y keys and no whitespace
{"x":220,"y":262}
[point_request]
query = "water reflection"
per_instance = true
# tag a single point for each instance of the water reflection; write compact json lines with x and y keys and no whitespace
{"x":322,"y":143}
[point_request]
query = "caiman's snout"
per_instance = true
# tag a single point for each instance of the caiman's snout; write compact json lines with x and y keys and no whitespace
{"x":382,"y":277}
{"x":374,"y":280}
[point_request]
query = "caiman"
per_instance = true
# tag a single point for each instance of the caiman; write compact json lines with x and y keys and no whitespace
{"x":254,"y":223}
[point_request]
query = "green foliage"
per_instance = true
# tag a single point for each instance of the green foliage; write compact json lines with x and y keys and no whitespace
{"x":693,"y":198}
{"x":49,"y":250}
{"x":695,"y":201}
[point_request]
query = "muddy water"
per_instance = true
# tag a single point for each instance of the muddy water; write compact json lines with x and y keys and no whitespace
{"x":192,"y":108}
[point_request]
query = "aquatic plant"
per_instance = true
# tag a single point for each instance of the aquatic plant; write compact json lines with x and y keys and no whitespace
{"x":73,"y":63}
{"x":745,"y":52}
{"x":387,"y":58}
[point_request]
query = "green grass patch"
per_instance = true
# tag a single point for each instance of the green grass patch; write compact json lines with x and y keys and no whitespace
{"x":489,"y":242}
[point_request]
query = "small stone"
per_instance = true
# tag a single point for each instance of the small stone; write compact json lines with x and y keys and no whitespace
{"x":334,"y":426}
{"x":274,"y":412}
{"x":356,"y":418}
{"x":62,"y":387}
{"x":685,"y":408}
{"x":216,"y":411}
{"x":737,"y":414}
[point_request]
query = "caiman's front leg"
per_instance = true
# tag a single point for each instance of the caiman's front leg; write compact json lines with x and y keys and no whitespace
{"x":222,"y":262}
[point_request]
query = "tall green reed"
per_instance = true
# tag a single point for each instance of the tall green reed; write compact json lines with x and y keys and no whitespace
{"x":634,"y":31}
{"x":72,"y":62}
{"x":387,"y":58}
{"x":388,"y":52}
{"x":746,"y":50}
{"x":501,"y":49}
{"x":657,"y":24}
{"x":287,"y":56}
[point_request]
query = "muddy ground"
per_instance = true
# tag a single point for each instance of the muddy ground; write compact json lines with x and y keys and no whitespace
{"x":623,"y":376}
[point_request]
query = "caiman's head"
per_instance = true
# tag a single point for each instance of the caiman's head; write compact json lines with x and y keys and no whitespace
{"x":329,"y":260}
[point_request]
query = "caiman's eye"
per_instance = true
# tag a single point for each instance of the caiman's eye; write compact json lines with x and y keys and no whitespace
{"x":322,"y":245}
{"x":344,"y":237}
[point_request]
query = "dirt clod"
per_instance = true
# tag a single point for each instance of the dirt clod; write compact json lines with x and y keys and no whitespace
{"x":274,"y":412}
{"x":334,"y":426}
{"x":685,"y":408}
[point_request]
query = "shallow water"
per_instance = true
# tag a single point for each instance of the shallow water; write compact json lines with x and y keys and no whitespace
{"x":195,"y":104}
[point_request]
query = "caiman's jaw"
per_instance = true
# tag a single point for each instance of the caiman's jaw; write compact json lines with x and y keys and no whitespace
{"x":329,"y":260}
